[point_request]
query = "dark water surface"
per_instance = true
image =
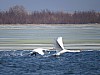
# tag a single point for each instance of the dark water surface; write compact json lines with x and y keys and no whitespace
{"x":18,"y":62}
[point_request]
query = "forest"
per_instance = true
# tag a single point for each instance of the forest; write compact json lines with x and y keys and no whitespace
{"x":19,"y":15}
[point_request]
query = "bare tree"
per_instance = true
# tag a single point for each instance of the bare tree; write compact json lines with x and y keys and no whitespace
{"x":18,"y":15}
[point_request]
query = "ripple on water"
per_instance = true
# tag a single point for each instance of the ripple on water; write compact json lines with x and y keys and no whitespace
{"x":20,"y":63}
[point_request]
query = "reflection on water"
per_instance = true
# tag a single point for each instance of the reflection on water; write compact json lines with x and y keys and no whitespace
{"x":15,"y":35}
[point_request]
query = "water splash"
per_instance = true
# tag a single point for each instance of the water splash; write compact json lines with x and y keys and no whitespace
{"x":14,"y":52}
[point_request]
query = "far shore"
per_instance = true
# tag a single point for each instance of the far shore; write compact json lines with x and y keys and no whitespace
{"x":47,"y":24}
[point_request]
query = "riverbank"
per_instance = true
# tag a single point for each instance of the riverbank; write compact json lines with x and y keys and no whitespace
{"x":14,"y":26}
{"x":50,"y":24}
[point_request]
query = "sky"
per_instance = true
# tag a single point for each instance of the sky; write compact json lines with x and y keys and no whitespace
{"x":53,"y":5}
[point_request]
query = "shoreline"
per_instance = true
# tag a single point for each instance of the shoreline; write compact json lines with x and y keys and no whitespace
{"x":44,"y":24}
{"x":16,"y":26}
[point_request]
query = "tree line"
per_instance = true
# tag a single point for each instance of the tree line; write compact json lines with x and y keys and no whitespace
{"x":19,"y":15}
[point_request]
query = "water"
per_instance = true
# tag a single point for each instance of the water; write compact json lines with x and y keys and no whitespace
{"x":17,"y":41}
{"x":18,"y":62}
{"x":33,"y":36}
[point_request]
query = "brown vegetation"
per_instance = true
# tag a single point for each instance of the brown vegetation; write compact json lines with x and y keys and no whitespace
{"x":18,"y":15}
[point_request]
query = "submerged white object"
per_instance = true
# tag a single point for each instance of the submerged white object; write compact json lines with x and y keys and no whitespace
{"x":63,"y":51}
{"x":39,"y":50}
{"x":59,"y":44}
{"x":60,"y":47}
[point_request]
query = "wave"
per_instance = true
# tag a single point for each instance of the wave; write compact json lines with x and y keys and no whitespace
{"x":27,"y":52}
{"x":14,"y":52}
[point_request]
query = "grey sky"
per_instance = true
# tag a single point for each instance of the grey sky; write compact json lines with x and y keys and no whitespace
{"x":54,"y":5}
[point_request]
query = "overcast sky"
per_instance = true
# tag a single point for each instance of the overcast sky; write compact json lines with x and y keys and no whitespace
{"x":53,"y":5}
